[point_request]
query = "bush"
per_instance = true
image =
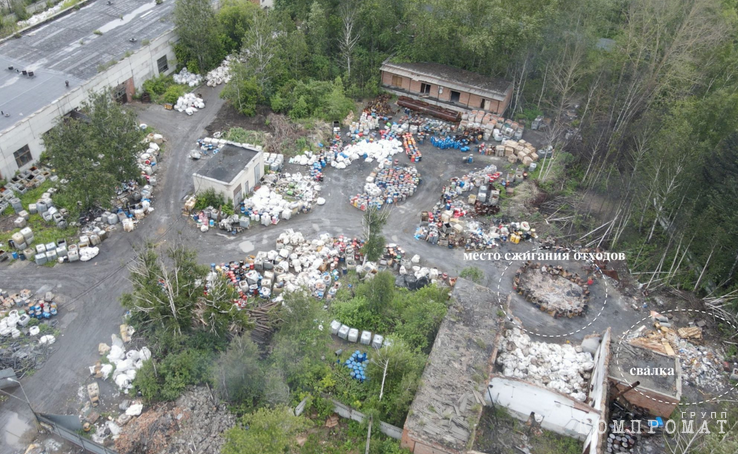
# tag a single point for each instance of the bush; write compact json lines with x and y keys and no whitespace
{"x":168,"y":379}
{"x":210,"y":198}
{"x":173,"y":93}
{"x":473,"y":274}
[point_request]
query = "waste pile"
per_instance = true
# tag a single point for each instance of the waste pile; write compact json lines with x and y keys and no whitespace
{"x":149,"y":156}
{"x":25,"y":319}
{"x":295,"y":263}
{"x":187,"y":78}
{"x":189,"y":103}
{"x":701,"y":365}
{"x":491,"y":125}
{"x":387,"y":186}
{"x":221,"y":74}
{"x":517,"y":150}
{"x":121,"y":363}
{"x":562,"y":368}
{"x":411,"y":148}
{"x":357,"y":364}
{"x":381,"y":150}
{"x":632,"y":433}
{"x":380,"y":106}
{"x":20,"y":184}
{"x":553,"y":290}
{"x":280,"y":197}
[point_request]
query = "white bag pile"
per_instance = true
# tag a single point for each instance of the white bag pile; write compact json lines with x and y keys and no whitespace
{"x":381,"y":151}
{"x":126,"y":363}
{"x":189,"y":104}
{"x":221,"y":74}
{"x":268,"y":205}
{"x":187,"y":78}
{"x":557,"y":367}
{"x":88,"y":253}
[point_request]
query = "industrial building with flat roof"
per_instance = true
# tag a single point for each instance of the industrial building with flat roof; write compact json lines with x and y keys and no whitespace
{"x":52,"y":67}
{"x":233,"y":172}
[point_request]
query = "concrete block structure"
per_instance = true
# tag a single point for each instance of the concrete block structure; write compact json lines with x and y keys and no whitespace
{"x":233,"y":172}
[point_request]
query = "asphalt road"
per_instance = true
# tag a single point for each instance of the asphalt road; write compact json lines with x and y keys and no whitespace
{"x":90,"y":312}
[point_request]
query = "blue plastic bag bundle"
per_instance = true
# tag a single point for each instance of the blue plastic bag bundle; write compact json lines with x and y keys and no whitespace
{"x":357,"y":364}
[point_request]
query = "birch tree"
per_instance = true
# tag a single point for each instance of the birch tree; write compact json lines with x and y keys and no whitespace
{"x":350,"y":34}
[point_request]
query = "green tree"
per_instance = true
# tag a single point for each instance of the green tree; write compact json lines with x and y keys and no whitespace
{"x":198,"y":32}
{"x":373,"y":222}
{"x":96,"y":152}
{"x":299,"y":109}
{"x":242,"y":91}
{"x":317,"y":28}
{"x":378,"y":292}
{"x":235,"y":17}
{"x":265,"y":431}
{"x":238,"y":374}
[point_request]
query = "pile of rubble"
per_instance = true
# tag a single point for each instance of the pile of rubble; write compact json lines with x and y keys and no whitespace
{"x":42,"y":16}
{"x":562,"y":368}
{"x":121,"y":363}
{"x":194,"y":423}
{"x":553,"y":290}
{"x":189,"y":103}
{"x":187,"y":78}
{"x":148,"y":158}
{"x":221,"y":74}
{"x":701,"y":365}
{"x":388,"y":186}
{"x":281,"y":196}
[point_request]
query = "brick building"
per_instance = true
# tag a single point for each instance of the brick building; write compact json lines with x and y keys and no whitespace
{"x":446,"y":86}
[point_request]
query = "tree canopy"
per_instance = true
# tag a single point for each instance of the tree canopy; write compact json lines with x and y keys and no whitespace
{"x":96,"y":150}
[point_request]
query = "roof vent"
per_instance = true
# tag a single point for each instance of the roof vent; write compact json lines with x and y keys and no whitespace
{"x":10,"y":68}
{"x":25,"y":73}
{"x":30,"y":73}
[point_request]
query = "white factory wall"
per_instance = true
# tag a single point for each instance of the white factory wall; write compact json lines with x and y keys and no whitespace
{"x":246,"y":179}
{"x":140,"y":66}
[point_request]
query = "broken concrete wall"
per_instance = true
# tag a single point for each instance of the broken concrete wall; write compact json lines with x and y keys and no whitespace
{"x":656,"y":403}
{"x":598,"y":395}
{"x":561,"y":414}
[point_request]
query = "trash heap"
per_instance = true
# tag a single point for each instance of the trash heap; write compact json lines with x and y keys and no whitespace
{"x":122,"y":364}
{"x":553,"y":290}
{"x":187,"y":78}
{"x":381,"y":150}
{"x":14,"y":321}
{"x":562,"y":368}
{"x":148,"y":157}
{"x":411,"y":148}
{"x":295,"y":263}
{"x":701,"y":365}
{"x":280,"y":197}
{"x":415,"y":123}
{"x":387,"y":186}
{"x":380,"y":106}
{"x":492,"y":126}
{"x":517,"y":150}
{"x":189,"y":103}
{"x":357,"y":365}
{"x":221,"y":74}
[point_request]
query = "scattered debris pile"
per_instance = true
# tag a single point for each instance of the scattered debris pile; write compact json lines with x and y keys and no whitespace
{"x":221,"y":74}
{"x":194,"y":423}
{"x":121,"y":363}
{"x":701,"y":365}
{"x":492,"y":125}
{"x":389,"y":186}
{"x":380,"y":106}
{"x":649,"y":439}
{"x":25,"y":323}
{"x":553,"y":289}
{"x":517,"y":150}
{"x":380,"y":150}
{"x":562,"y":368}
{"x":42,"y":16}
{"x":187,"y":78}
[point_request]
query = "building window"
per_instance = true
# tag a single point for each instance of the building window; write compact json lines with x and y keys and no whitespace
{"x":23,"y":156}
{"x":396,"y":81}
{"x":163,"y":64}
{"x":484,"y":104}
{"x":455,"y":96}
{"x":425,"y":89}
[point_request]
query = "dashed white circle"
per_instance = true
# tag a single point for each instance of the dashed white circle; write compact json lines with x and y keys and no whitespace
{"x":625,"y":335}
{"x":536,"y":333}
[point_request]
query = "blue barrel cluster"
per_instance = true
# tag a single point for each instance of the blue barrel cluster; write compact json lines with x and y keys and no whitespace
{"x":43,"y":310}
{"x":357,"y":364}
{"x":450,"y":142}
